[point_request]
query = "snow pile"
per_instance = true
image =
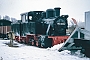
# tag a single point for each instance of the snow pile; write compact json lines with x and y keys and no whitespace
{"x":56,"y":47}
{"x":24,"y":52}
{"x":15,"y":44}
{"x":65,"y":52}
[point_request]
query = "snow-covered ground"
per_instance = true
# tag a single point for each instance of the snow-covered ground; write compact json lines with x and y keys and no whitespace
{"x":24,"y":52}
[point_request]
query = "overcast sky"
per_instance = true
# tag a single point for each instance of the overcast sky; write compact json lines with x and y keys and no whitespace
{"x":74,"y":8}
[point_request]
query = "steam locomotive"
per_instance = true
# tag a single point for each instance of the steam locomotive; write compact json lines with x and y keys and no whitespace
{"x":40,"y":28}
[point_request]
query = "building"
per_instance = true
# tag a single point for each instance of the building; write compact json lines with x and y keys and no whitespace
{"x":87,"y":22}
{"x":5,"y":26}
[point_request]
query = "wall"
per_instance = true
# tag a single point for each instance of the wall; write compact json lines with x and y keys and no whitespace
{"x":87,"y":22}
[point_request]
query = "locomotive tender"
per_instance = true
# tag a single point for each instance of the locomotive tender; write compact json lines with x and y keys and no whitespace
{"x":40,"y":28}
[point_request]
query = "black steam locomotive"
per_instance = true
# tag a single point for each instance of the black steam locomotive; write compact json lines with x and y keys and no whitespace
{"x":44,"y":23}
{"x":48,"y":23}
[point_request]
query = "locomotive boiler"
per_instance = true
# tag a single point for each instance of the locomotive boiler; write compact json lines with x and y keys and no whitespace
{"x":43,"y":29}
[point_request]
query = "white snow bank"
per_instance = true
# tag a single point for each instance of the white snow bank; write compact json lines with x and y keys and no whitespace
{"x":7,"y":43}
{"x":34,"y":53}
{"x":56,"y":47}
{"x":65,"y":52}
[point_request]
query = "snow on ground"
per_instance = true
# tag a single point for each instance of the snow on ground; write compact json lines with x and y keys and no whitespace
{"x":25,"y":52}
{"x":56,"y":47}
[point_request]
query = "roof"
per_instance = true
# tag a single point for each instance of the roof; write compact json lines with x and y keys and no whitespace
{"x":4,"y":22}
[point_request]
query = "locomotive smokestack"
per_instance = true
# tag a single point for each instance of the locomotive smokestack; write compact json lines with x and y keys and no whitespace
{"x":50,"y":13}
{"x":57,"y":11}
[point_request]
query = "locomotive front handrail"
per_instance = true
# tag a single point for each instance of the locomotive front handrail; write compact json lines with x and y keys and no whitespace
{"x":48,"y":29}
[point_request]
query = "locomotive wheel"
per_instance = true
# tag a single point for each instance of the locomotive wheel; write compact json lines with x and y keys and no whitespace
{"x":30,"y":41}
{"x":36,"y":43}
{"x":42,"y":46}
{"x":33,"y":42}
{"x":39,"y":43}
{"x":23,"y":41}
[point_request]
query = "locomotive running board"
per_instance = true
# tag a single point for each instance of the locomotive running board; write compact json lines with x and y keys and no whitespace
{"x":70,"y":41}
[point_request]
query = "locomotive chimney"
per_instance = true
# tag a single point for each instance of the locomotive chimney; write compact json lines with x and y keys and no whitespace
{"x":57,"y":11}
{"x":50,"y":13}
